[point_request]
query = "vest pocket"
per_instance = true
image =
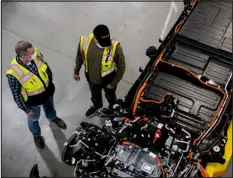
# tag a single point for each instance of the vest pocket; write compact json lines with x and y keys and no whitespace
{"x":44,"y":74}
{"x":31,"y":84}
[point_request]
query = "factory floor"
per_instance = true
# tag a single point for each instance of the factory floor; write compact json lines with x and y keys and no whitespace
{"x":55,"y":28}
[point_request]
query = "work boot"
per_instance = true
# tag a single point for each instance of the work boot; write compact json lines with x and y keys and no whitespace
{"x":38,"y":140}
{"x":60,"y":123}
{"x":91,"y":112}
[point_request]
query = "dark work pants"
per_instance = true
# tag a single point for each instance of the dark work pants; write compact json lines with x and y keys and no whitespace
{"x":96,"y":95}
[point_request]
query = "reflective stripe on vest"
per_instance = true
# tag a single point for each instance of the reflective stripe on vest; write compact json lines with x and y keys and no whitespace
{"x":108,"y":64}
{"x":26,"y":78}
{"x":31,"y":84}
{"x":103,"y":74}
{"x":17,"y":70}
{"x":36,"y":92}
{"x":38,"y":64}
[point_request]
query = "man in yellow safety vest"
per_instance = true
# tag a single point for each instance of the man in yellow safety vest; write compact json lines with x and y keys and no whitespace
{"x":104,"y":66}
{"x":30,"y":80}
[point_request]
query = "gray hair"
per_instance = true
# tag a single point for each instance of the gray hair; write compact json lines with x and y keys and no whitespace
{"x":21,"y":48}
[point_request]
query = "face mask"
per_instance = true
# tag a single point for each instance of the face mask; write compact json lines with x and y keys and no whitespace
{"x":33,"y":56}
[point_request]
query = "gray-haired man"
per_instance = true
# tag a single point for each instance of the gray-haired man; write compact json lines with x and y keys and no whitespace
{"x":30,"y":80}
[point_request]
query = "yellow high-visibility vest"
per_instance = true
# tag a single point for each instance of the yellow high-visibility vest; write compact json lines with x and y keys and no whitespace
{"x":31,"y":84}
{"x":108,"y":64}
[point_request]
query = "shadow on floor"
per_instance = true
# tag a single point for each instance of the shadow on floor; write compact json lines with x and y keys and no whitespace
{"x":51,"y":161}
{"x":102,"y":121}
{"x":59,"y":136}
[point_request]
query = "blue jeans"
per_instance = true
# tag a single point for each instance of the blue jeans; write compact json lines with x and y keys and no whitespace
{"x":50,"y":114}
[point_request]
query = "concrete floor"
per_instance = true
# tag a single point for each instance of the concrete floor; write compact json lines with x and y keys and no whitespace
{"x":55,"y":27}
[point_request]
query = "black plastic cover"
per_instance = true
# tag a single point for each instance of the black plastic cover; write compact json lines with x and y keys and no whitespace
{"x":210,"y":24}
{"x":197,"y":105}
{"x":202,"y":63}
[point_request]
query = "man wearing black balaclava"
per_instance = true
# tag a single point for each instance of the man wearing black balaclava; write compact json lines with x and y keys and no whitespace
{"x":104,"y":66}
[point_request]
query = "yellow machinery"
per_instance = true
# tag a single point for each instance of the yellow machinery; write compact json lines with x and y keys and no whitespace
{"x":217,"y":169}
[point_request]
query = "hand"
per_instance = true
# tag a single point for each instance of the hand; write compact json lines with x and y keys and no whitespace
{"x":76,"y":77}
{"x":110,"y":86}
{"x":31,"y":113}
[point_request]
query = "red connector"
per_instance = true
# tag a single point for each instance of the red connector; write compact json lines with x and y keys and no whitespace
{"x":157,"y":135}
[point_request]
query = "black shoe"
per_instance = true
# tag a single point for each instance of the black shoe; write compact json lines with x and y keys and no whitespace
{"x":91,"y":112}
{"x":38,"y":140}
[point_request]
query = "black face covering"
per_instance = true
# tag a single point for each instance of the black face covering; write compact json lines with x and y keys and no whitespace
{"x":102,"y":35}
